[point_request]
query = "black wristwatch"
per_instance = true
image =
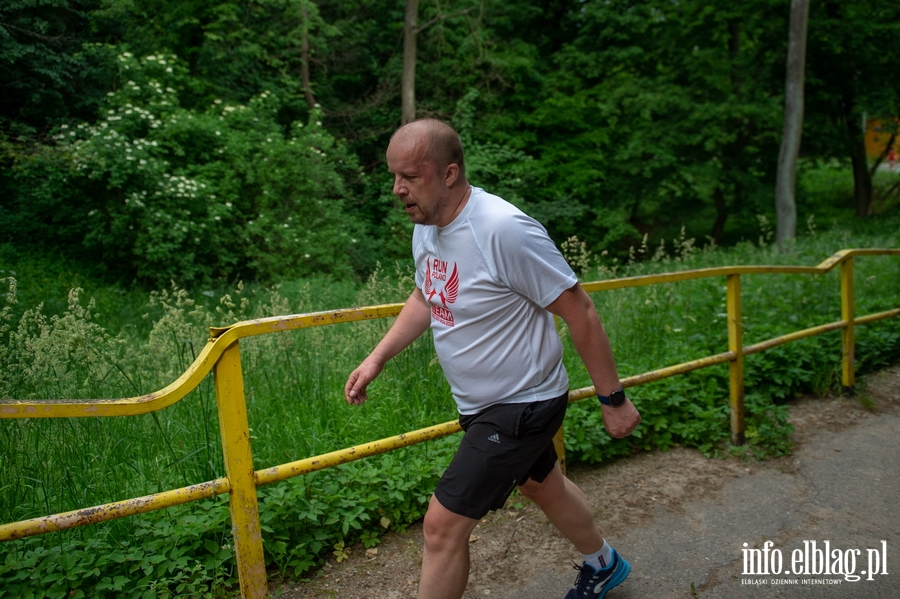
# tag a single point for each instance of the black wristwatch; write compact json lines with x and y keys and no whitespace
{"x":615,"y":399}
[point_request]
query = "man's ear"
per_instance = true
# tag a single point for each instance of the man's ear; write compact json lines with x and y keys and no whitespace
{"x":451,"y":174}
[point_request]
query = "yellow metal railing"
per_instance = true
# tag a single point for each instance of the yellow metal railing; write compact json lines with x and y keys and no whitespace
{"x":221,"y":355}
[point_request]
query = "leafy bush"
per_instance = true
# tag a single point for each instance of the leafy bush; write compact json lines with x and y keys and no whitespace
{"x":184,"y":553}
{"x":165,"y":192}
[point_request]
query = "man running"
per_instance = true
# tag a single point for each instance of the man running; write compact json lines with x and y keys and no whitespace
{"x":488,"y":281}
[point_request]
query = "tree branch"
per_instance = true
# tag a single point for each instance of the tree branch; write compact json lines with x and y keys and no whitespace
{"x":304,"y":60}
{"x":443,"y":17}
{"x":884,"y":196}
{"x":57,"y":40}
{"x":884,"y":154}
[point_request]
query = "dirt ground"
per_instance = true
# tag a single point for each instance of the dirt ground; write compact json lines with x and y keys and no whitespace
{"x":512,"y":544}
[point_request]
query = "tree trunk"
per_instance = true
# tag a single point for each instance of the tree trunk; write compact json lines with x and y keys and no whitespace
{"x":734,"y":49}
{"x":728,"y":155}
{"x":408,"y":79}
{"x":862,"y":179}
{"x":304,"y":60}
{"x":721,"y":215}
{"x":856,"y":143}
{"x":786,"y":179}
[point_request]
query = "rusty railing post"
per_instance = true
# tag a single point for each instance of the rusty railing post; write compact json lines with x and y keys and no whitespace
{"x":559,"y":439}
{"x":559,"y":443}
{"x":245,"y":527}
{"x":735,"y":366}
{"x":848,"y":341}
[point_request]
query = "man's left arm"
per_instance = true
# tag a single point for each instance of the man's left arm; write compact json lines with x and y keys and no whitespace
{"x":577,"y":310}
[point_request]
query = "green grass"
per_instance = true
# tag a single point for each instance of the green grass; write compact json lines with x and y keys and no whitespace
{"x":127,"y":343}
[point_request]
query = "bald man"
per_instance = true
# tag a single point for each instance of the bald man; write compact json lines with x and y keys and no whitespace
{"x":488,"y":282}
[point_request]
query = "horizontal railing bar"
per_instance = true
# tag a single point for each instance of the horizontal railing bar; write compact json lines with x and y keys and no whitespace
{"x":877,"y":316}
{"x":662,"y":373}
{"x":655,"y":375}
{"x":350,"y":454}
{"x":273,"y":324}
{"x":222,"y":337}
{"x":701,"y":273}
{"x":150,"y":503}
{"x":130,"y":406}
{"x":718,"y":271}
{"x":113,"y":511}
{"x":781,"y":340}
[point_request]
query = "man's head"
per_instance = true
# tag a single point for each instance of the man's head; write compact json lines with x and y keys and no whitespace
{"x":426,"y":159}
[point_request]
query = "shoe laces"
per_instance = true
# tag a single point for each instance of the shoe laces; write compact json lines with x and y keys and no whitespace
{"x":587,"y":579}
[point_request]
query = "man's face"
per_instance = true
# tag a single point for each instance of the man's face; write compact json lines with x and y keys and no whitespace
{"x":418,"y":182}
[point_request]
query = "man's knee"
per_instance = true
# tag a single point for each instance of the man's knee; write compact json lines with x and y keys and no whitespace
{"x":443,"y":527}
{"x":537,"y":492}
{"x":549,"y":489}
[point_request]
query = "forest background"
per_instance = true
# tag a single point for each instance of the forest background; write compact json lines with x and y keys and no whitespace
{"x":180,"y":149}
{"x":214,"y":141}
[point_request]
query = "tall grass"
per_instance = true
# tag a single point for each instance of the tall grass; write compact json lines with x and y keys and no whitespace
{"x":294,"y":383}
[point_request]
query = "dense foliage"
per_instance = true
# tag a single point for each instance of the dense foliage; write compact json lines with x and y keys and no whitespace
{"x":95,"y":343}
{"x":628,"y":117}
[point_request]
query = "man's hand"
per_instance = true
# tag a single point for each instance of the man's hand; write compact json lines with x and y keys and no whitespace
{"x":575,"y":307}
{"x":413,"y":320}
{"x":359,"y":379}
{"x":622,"y":420}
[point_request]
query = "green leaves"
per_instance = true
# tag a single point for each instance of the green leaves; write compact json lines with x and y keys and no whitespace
{"x":171,"y":193}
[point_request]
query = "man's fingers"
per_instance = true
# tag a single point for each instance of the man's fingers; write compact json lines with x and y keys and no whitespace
{"x":621,"y":422}
{"x":348,"y":388}
{"x":359,"y":379}
{"x":353,"y":390}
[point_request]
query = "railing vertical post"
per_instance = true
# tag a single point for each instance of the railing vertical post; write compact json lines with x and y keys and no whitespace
{"x":559,"y":439}
{"x":736,"y":366}
{"x":848,"y":342}
{"x":245,"y":527}
{"x":559,"y":443}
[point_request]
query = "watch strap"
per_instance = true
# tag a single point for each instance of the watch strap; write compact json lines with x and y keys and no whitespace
{"x":604,"y":399}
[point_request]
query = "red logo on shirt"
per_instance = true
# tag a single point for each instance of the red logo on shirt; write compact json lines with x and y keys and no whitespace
{"x":440,"y":289}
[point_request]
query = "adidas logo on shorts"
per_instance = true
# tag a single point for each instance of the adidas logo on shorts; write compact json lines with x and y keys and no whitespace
{"x":495,"y":438}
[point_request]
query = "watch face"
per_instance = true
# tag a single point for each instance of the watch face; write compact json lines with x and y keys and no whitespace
{"x":617,"y":398}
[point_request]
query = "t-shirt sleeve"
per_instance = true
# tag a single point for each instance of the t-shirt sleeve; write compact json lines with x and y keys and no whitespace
{"x":528,"y":261}
{"x":417,"y":251}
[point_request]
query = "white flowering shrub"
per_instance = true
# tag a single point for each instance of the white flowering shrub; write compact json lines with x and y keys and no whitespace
{"x":170,"y":192}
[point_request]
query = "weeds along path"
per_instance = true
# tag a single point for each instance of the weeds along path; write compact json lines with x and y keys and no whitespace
{"x":681,"y":519}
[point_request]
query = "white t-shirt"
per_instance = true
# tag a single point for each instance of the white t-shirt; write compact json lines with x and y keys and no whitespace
{"x":488,"y":276}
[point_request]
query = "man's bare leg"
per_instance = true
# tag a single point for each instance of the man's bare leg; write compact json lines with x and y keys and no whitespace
{"x":445,"y":564}
{"x":566,"y":506}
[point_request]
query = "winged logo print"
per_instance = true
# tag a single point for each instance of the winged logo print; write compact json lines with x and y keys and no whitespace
{"x":429,"y":285}
{"x":450,"y":291}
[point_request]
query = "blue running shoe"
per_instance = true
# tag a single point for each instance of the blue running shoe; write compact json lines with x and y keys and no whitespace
{"x":593,"y":584}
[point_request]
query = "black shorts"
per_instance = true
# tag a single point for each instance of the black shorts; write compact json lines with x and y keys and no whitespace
{"x":503,"y":446}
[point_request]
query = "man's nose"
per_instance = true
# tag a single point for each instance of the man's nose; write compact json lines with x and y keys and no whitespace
{"x":399,"y":187}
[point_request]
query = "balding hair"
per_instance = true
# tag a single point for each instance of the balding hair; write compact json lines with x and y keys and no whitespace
{"x":444,"y":145}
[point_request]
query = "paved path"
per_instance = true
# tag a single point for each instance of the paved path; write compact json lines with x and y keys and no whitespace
{"x":841,"y":487}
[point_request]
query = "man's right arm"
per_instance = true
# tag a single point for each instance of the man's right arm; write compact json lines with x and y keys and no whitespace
{"x":413,"y":320}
